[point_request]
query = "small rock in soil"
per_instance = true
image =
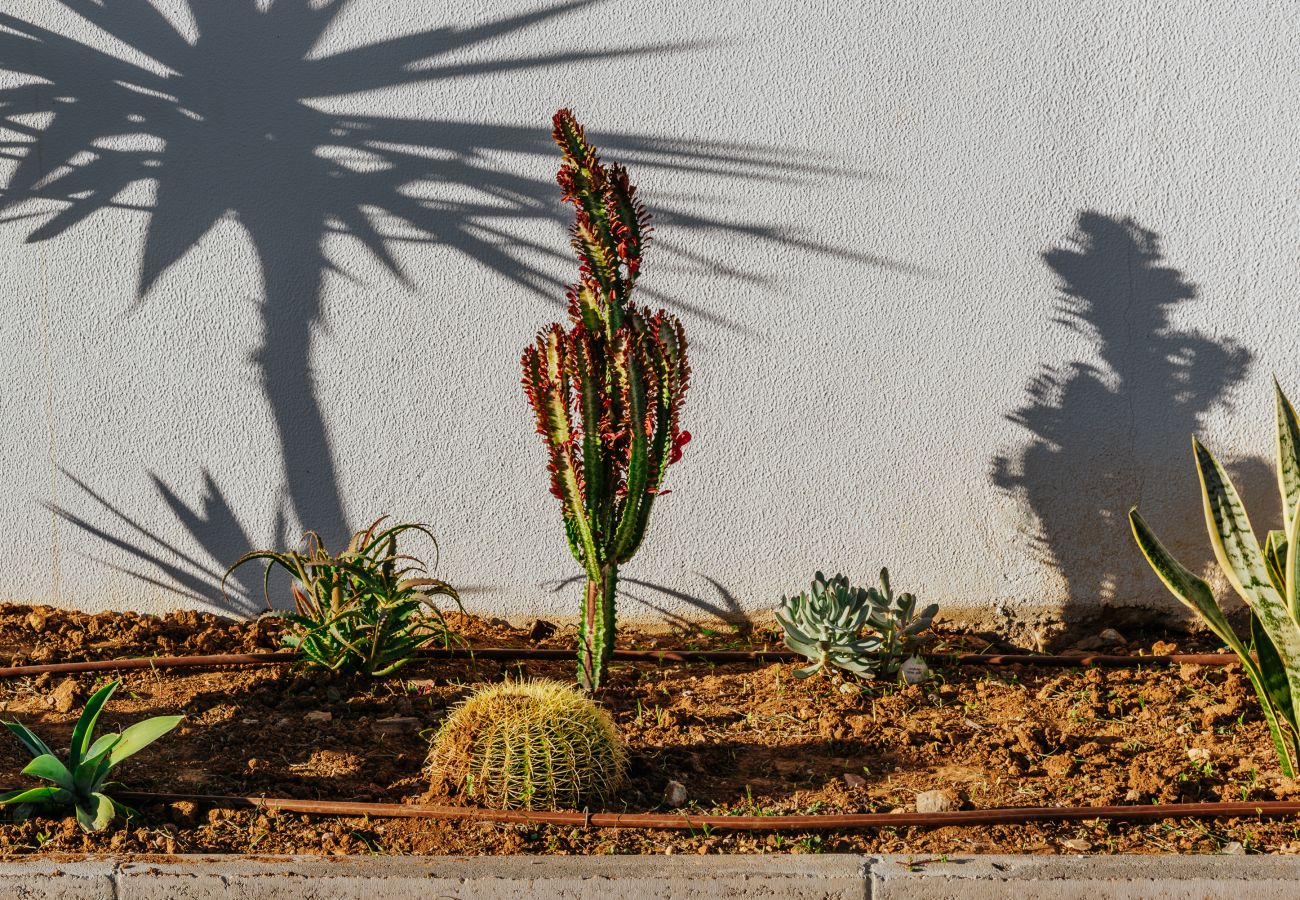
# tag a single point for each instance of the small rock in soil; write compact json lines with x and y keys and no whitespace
{"x":1111,"y":637}
{"x":675,"y":794}
{"x":318,"y":715}
{"x":935,"y":801}
{"x":540,"y":630}
{"x":1078,"y":845}
{"x":64,"y":697}
{"x":1198,"y":754}
{"x":184,"y":813}
{"x":1232,"y":848}
{"x":36,"y":622}
{"x":396,"y":725}
{"x":333,"y":694}
{"x":854,"y":781}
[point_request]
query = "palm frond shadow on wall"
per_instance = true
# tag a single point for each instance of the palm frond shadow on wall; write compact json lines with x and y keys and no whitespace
{"x":227,"y":113}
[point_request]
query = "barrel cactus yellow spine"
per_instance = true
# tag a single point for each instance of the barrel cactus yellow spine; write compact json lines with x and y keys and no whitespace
{"x":607,"y":390}
{"x":535,"y":745}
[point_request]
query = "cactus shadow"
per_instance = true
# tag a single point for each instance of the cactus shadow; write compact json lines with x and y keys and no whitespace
{"x":228,"y":112}
{"x":718,"y":605}
{"x":1113,"y":429}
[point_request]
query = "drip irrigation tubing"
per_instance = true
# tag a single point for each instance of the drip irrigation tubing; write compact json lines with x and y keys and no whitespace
{"x":521,"y":654}
{"x":686,"y":822}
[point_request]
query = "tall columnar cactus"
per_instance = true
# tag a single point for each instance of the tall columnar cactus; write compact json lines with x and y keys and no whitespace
{"x":607,"y":390}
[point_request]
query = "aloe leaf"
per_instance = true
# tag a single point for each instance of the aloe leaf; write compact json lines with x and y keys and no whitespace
{"x":85,"y":726}
{"x":1288,"y":455}
{"x":141,"y":735}
{"x":48,"y":766}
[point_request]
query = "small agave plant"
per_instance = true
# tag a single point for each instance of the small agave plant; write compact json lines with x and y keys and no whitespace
{"x":80,"y":782}
{"x":858,"y":630}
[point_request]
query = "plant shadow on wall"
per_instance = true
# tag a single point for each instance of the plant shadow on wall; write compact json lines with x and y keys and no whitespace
{"x":1105,"y":429}
{"x":226,"y":120}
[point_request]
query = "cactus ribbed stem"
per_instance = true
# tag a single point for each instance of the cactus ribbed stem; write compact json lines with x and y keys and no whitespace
{"x":596,"y":630}
{"x":607,"y":391}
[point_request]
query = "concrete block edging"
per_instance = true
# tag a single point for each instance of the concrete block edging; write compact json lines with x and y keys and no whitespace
{"x":829,"y":877}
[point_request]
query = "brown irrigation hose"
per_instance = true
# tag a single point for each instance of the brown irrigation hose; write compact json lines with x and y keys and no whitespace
{"x":683,"y":822}
{"x":721,"y":657}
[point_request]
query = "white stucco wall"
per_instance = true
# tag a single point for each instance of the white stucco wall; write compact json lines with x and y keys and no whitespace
{"x":870,"y":216}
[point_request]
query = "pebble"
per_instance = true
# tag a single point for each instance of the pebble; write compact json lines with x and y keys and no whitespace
{"x":854,"y":781}
{"x":1111,"y":636}
{"x":184,"y":813}
{"x":848,"y":688}
{"x":675,"y":794}
{"x":935,"y":802}
{"x":318,"y":715}
{"x":396,"y":725}
{"x":1078,"y":845}
{"x":540,"y":630}
{"x":36,"y":622}
{"x":1198,"y":754}
{"x":1232,"y":848}
{"x":65,"y":696}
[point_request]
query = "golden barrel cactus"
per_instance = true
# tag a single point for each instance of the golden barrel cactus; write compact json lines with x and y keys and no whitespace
{"x":532,"y":745}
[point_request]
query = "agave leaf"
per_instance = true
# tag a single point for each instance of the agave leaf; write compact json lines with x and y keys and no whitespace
{"x":85,"y":726}
{"x":34,"y":745}
{"x":98,"y":814}
{"x":141,"y":735}
{"x":43,"y":794}
{"x":1288,"y":456}
{"x":49,"y":767}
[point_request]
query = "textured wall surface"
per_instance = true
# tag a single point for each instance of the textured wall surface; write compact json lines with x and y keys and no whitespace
{"x":961,"y":280}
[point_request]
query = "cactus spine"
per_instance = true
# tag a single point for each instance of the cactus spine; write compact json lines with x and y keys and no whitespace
{"x":607,"y":390}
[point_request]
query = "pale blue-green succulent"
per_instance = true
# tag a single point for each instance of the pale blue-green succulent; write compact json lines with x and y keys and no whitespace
{"x":859,"y":630}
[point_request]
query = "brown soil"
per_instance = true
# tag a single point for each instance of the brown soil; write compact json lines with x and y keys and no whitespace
{"x":741,"y":739}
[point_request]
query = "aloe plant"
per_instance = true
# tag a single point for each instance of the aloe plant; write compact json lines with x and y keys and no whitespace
{"x":607,"y":390}
{"x":80,"y":782}
{"x":1266,"y":577}
{"x":367,"y":609}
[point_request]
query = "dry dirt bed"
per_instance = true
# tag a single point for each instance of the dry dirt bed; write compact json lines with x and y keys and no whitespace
{"x":740,"y":739}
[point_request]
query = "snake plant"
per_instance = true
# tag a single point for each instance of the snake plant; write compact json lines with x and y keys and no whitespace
{"x":607,"y":390}
{"x":1267,"y":577}
{"x":859,"y":630}
{"x":80,"y":782}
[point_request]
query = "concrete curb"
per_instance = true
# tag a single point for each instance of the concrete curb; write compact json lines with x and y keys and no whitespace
{"x":830,"y":877}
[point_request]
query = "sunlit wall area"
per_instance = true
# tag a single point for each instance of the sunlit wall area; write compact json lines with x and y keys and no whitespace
{"x":961,"y":281}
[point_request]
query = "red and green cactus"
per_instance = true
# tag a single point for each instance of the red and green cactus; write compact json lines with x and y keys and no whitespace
{"x":607,"y":390}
